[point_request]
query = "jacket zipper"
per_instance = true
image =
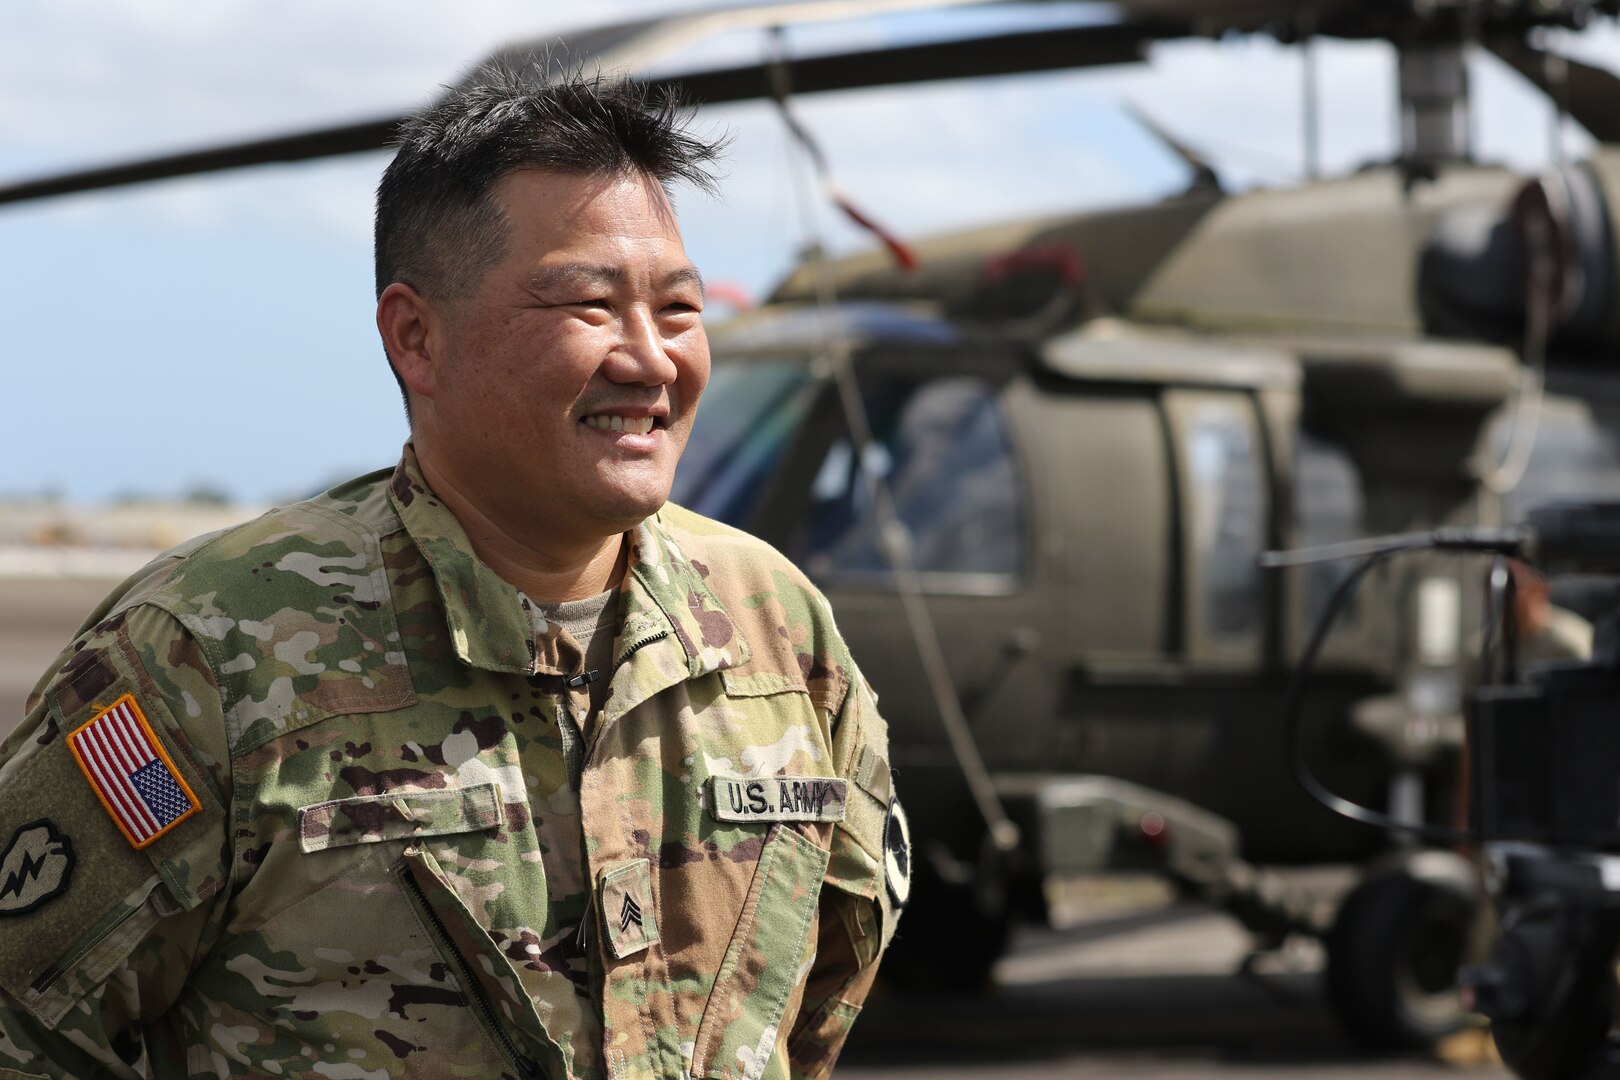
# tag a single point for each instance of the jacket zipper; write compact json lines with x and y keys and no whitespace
{"x":638,"y":645}
{"x":476,"y":997}
{"x":596,"y":735}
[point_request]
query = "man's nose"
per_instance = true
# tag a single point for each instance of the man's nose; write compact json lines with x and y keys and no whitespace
{"x":642,"y":355}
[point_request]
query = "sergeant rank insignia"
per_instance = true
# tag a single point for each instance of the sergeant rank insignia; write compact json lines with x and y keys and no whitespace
{"x":131,"y":773}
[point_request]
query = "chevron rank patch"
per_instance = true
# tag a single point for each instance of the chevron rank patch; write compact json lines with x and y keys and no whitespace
{"x":777,"y":798}
{"x":627,"y":908}
{"x":131,"y":773}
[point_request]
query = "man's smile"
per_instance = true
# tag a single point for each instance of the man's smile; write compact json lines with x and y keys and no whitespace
{"x":632,"y":425}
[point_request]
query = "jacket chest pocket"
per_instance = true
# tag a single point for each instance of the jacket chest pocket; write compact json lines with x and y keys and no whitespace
{"x":492,"y":1001}
{"x":763,"y":965}
{"x":346,"y":969}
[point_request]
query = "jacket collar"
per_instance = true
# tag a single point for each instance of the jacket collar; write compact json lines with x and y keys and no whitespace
{"x":667,"y":590}
{"x":665,"y":594}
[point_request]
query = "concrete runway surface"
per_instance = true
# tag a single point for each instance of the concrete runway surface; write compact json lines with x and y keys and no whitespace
{"x":37,"y":618}
{"x":1158,"y":995}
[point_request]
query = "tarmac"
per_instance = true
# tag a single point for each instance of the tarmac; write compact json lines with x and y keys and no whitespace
{"x":1167,"y":994}
{"x":37,"y":619}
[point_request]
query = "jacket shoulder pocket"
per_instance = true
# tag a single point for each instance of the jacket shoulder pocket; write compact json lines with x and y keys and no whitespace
{"x":98,"y":844}
{"x":764,"y":961}
{"x":399,"y":815}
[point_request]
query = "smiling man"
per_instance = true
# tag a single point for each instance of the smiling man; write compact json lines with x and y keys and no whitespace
{"x":490,"y":764}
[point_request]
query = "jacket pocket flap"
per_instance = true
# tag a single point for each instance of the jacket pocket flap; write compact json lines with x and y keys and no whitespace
{"x":398,"y":815}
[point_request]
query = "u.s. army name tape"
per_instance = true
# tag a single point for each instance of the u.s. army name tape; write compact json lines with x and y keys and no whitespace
{"x":777,"y":798}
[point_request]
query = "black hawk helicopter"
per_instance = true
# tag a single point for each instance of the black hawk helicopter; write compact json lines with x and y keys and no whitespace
{"x":1034,"y":465}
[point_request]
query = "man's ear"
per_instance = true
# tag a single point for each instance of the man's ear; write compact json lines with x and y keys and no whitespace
{"x":405,"y":321}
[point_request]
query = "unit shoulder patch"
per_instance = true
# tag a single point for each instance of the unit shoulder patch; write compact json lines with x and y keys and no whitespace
{"x":35,"y":867}
{"x":777,"y":798}
{"x":131,"y":773}
{"x":897,"y":854}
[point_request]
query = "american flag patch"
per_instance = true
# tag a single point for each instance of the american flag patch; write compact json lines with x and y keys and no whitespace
{"x":132,"y":774}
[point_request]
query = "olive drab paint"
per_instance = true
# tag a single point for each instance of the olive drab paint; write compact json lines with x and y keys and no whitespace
{"x":401,"y":860}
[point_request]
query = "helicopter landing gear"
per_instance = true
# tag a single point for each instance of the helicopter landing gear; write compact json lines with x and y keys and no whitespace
{"x":1394,"y":953}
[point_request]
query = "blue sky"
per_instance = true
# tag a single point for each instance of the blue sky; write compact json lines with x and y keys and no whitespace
{"x":218,"y":331}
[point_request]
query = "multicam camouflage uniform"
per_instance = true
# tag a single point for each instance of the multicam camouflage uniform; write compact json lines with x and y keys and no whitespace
{"x":400,"y":857}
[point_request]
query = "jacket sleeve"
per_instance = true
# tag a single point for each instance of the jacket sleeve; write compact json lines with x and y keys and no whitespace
{"x":107,"y":898}
{"x":868,"y":880}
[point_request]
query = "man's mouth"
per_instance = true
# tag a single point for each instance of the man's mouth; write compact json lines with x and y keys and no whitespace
{"x":632,"y":425}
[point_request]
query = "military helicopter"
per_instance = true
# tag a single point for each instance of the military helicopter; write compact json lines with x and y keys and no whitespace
{"x":1034,"y":466}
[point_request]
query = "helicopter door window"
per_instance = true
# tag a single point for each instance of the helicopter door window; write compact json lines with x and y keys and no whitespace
{"x":1328,"y":509}
{"x":943,"y":450}
{"x":750,"y":411}
{"x":1226,"y":515}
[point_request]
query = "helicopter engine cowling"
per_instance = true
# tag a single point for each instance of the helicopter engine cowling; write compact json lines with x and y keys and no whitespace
{"x":1479,"y":266}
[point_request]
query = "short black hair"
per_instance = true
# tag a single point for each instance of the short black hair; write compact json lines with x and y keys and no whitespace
{"x":438,"y":229}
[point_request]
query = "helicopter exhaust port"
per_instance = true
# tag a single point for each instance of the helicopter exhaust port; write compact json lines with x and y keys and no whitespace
{"x":1475,"y":274}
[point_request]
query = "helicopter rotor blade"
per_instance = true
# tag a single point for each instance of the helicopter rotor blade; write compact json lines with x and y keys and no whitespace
{"x":1005,"y":54}
{"x":626,"y":46}
{"x":1589,"y":93}
{"x":630,"y":46}
{"x":301,"y":146}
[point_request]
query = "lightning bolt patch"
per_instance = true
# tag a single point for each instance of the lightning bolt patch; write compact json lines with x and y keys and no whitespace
{"x":35,"y":867}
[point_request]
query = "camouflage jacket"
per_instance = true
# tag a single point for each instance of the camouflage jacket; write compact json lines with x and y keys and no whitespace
{"x":306,"y":798}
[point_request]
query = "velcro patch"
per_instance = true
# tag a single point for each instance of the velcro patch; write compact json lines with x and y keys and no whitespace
{"x":131,"y":773}
{"x":777,"y":798}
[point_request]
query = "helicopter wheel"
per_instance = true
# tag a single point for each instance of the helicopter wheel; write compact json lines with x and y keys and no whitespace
{"x":1392,"y":961}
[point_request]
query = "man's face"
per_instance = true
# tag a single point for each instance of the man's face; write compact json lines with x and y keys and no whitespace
{"x":566,"y":384}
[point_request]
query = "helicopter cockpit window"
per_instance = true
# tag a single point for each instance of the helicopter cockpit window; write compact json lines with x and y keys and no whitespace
{"x":1227,"y":523}
{"x":943,"y":449}
{"x":749,"y":413}
{"x":1328,"y":509}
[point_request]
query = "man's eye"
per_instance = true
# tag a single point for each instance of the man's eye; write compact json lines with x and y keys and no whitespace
{"x":680,"y":307}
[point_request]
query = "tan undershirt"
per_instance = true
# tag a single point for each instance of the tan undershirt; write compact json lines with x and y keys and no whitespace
{"x":593,"y":622}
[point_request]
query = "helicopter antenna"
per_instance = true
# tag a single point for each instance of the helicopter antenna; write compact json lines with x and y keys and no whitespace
{"x":1204,"y":176}
{"x":894,"y":538}
{"x":780,"y":91}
